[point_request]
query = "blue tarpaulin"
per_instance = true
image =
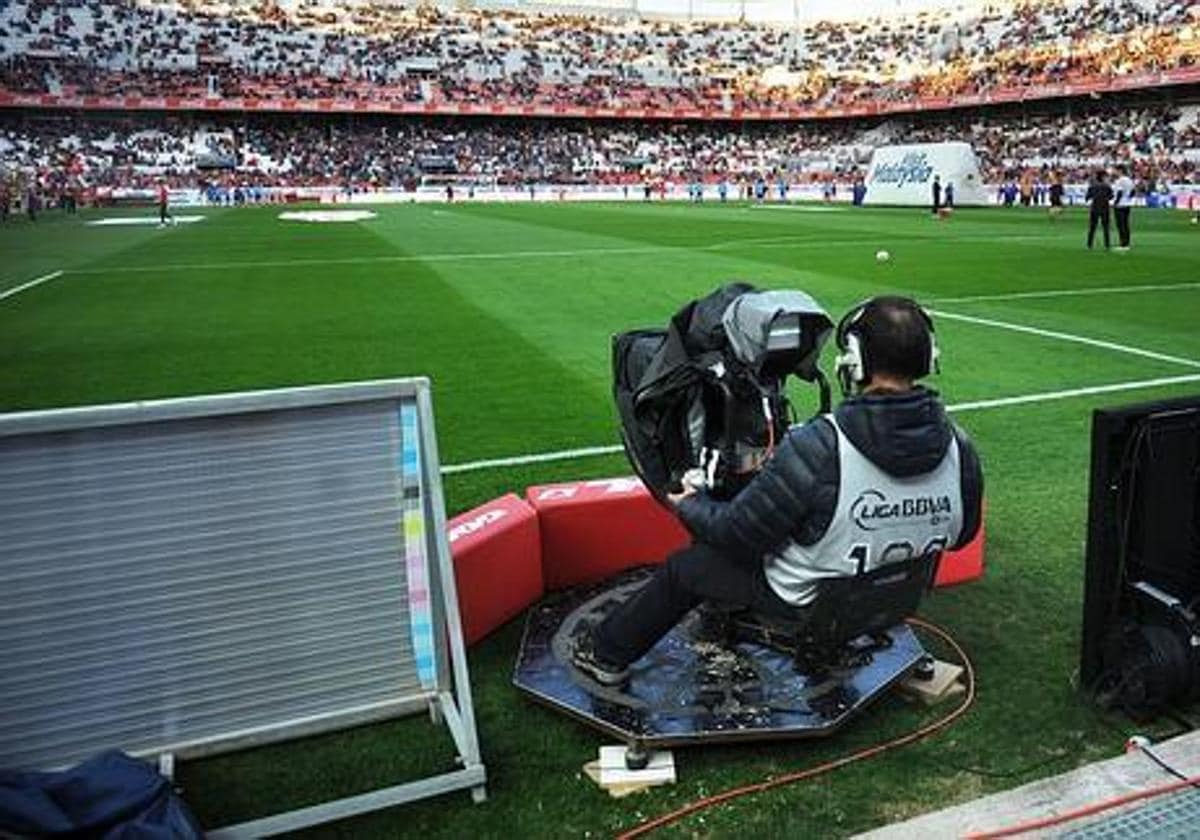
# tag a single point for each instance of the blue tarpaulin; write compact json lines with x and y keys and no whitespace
{"x":109,"y":796}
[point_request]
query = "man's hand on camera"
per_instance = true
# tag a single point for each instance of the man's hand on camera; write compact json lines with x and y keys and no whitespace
{"x":676,"y":498}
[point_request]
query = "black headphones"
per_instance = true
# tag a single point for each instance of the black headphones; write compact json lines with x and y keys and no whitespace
{"x":854,"y":364}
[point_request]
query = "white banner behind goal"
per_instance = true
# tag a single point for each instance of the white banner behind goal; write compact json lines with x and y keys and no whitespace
{"x":904,"y":174}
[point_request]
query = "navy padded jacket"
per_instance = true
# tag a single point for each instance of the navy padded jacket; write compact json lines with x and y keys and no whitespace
{"x":796,"y":493}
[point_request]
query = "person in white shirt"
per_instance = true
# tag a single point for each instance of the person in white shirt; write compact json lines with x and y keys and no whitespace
{"x":1122,"y":202}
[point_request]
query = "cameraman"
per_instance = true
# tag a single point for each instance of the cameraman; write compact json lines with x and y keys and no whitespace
{"x":802,"y":517}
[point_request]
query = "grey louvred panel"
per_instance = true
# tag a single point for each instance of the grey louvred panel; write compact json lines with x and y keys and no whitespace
{"x":175,"y":581}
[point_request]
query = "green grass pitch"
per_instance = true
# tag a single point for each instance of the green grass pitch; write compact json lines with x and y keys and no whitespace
{"x":509,"y":309}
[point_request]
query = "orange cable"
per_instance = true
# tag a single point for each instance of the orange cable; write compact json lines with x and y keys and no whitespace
{"x":916,"y":735}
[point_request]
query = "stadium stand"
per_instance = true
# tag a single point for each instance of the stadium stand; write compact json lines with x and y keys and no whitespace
{"x":110,"y":95}
{"x":1161,"y":140}
{"x":384,"y":55}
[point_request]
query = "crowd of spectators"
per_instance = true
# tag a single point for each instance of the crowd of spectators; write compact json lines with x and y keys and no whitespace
{"x":1160,"y":141}
{"x":365,"y":50}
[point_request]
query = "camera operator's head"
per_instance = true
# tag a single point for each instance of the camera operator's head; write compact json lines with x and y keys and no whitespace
{"x":885,"y":343}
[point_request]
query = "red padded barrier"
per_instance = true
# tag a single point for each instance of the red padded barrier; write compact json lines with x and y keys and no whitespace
{"x":497,"y":563}
{"x":966,"y":563}
{"x":592,"y":530}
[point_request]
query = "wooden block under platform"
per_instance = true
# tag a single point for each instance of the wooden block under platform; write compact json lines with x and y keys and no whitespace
{"x":943,"y":685}
{"x":592,"y":770}
{"x":611,"y":773}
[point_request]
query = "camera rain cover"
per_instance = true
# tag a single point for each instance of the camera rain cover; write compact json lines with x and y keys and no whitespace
{"x":777,"y":332}
{"x":737,"y":342}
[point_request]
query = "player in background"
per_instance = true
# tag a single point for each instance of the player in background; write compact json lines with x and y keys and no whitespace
{"x":1056,"y":195}
{"x":31,"y":198}
{"x":1122,"y":202}
{"x":164,"y":198}
{"x":858,"y":191}
{"x":72,"y":195}
{"x":936,"y":191}
{"x":1099,"y":194}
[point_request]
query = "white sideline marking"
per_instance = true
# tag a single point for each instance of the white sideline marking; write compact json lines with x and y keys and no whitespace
{"x":1048,"y":396}
{"x":773,"y":242}
{"x":37,"y":281}
{"x":1053,"y":293}
{"x":1062,"y":336}
{"x":977,"y":405}
{"x":519,"y":460}
{"x":802,"y":208}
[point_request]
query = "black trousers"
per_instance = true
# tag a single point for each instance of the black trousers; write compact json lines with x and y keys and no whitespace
{"x":1098,"y":217}
{"x":1122,"y":214}
{"x":691,"y":575}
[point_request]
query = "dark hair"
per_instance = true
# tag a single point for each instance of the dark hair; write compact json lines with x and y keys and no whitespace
{"x":896,"y":335}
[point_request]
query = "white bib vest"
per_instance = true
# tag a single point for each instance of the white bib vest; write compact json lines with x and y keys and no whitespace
{"x":880,"y":519}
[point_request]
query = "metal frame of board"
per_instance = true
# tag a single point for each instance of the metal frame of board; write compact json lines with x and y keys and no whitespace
{"x":193,"y":576}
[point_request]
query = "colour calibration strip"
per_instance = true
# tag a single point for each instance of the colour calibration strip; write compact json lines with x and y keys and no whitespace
{"x":412,"y":531}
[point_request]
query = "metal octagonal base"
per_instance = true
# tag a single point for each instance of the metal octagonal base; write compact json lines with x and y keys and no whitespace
{"x":688,"y":691}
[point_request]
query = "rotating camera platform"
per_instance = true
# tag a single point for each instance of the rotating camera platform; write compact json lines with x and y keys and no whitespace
{"x":693,"y":689}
